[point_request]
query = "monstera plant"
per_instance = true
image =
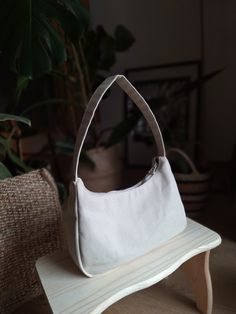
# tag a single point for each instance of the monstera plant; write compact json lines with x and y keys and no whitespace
{"x":33,"y":33}
{"x":33,"y":41}
{"x":37,"y":36}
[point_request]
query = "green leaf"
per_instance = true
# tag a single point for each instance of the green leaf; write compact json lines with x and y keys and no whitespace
{"x":21,"y":85}
{"x":17,"y":161}
{"x":123,"y":38}
{"x":5,"y":143}
{"x":102,"y":54}
{"x":189,"y":87}
{"x":7,"y":117}
{"x":4,"y":172}
{"x":29,"y":43}
{"x":65,"y":146}
{"x":82,"y":18}
{"x":45,"y":103}
{"x":122,"y":129}
{"x":107,"y":53}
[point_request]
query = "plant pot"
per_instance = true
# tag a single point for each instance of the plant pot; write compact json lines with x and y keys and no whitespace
{"x":193,"y":187}
{"x":27,"y":146}
{"x":106,"y":174}
{"x":31,"y":146}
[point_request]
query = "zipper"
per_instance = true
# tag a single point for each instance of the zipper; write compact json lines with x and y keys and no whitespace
{"x":150,"y":172}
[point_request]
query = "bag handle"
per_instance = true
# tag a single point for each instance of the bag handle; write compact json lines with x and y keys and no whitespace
{"x":129,"y":89}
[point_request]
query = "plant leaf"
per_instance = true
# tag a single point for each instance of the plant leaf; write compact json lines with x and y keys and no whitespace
{"x":17,"y":161}
{"x":21,"y":85}
{"x":45,"y":103}
{"x":4,"y":142}
{"x":7,"y":117}
{"x":29,"y":41}
{"x":123,"y":38}
{"x":4,"y":172}
{"x":196,"y":83}
{"x":65,"y":147}
{"x":122,"y":129}
{"x":107,"y":53}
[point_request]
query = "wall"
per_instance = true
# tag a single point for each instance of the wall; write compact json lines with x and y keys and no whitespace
{"x":158,"y":26}
{"x":169,"y":31}
{"x":220,"y":102}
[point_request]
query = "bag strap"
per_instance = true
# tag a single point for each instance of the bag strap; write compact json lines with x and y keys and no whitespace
{"x":129,"y":89}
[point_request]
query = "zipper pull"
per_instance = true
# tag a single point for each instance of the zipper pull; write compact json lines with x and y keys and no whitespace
{"x":154,"y":165}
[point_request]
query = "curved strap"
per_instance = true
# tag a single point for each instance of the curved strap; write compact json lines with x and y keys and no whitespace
{"x":129,"y":89}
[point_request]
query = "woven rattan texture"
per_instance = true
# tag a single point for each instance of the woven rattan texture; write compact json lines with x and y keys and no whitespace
{"x":30,"y":227}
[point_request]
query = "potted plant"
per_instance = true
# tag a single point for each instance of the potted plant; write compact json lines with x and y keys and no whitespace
{"x":101,"y":166}
{"x":51,"y":34}
{"x":34,"y":48}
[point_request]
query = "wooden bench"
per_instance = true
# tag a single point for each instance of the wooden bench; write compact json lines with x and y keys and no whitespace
{"x":69,"y":291}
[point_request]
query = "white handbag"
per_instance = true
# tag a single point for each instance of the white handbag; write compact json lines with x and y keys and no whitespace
{"x":105,"y":230}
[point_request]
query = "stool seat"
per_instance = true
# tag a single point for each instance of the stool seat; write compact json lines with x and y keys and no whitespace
{"x":69,"y":291}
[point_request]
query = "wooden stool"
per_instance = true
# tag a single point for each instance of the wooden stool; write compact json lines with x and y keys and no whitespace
{"x":69,"y":291}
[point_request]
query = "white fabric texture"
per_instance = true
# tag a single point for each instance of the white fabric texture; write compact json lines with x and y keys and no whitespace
{"x":105,"y":230}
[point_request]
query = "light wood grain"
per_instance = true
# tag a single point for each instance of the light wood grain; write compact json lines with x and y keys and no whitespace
{"x":197,"y":272}
{"x":68,"y":291}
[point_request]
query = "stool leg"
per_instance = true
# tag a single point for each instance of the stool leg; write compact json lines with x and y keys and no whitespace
{"x":197,"y":272}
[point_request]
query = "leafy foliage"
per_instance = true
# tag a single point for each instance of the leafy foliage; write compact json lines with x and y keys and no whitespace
{"x":100,"y":50}
{"x":7,"y":117}
{"x":196,"y":83}
{"x":21,"y":85}
{"x":6,"y":153}
{"x":123,"y":38}
{"x":11,"y":156}
{"x":123,"y":128}
{"x":168,"y":102}
{"x":67,"y":146}
{"x":32,"y":44}
{"x":4,"y":172}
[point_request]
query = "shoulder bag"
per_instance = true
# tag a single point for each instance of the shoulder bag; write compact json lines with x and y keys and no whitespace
{"x":106,"y":230}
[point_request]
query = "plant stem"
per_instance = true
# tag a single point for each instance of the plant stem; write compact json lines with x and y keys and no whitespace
{"x":85,"y":95}
{"x":81,"y":76}
{"x":86,"y":71}
{"x":71,"y":99}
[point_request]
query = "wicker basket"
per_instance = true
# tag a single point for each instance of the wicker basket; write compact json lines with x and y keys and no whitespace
{"x":193,"y":187}
{"x":30,"y":227}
